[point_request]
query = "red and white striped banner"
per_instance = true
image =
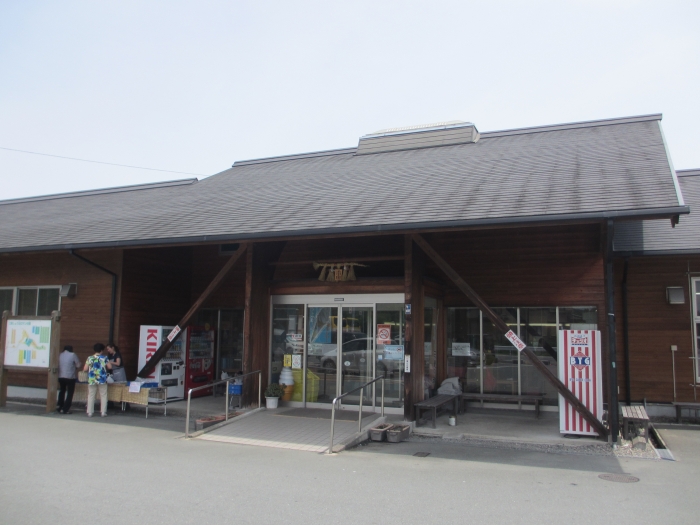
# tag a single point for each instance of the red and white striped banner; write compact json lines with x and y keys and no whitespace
{"x":580,"y":370}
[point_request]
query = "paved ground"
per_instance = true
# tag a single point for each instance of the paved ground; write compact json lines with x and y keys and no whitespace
{"x":124,"y":469}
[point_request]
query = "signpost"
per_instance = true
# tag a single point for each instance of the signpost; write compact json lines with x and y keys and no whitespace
{"x":30,"y":344}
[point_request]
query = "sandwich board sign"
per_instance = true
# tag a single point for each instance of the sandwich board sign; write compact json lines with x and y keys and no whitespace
{"x":580,"y":369}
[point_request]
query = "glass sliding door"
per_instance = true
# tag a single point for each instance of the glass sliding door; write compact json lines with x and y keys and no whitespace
{"x":464,"y":347}
{"x":322,"y":353}
{"x":389,"y":355}
{"x":356,"y":353}
{"x":500,"y":356}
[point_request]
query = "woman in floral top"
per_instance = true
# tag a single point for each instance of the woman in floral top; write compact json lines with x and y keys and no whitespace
{"x":96,"y":366}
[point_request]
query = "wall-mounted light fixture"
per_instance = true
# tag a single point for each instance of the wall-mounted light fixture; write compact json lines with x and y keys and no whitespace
{"x":68,"y":290}
{"x":675,"y":295}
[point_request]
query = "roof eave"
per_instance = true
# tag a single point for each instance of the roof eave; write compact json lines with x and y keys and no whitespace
{"x":535,"y":220}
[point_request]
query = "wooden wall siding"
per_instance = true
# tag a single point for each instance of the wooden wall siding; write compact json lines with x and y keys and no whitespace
{"x":554,"y":266}
{"x":655,"y":325}
{"x":156,"y":289}
{"x":206,"y":263}
{"x":339,"y":248}
{"x":314,"y":286}
{"x":415,"y":326}
{"x":86,"y":316}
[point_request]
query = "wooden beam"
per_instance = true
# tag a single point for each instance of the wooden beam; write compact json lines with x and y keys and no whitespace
{"x":414,"y":334}
{"x":163,"y":349}
{"x":501,"y":325}
{"x":341,"y":260}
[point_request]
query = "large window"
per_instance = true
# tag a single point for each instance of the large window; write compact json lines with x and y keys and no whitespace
{"x":485,"y":361}
{"x":30,"y":300}
{"x":696,"y":325}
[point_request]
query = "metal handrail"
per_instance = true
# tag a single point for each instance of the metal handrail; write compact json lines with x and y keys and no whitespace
{"x":211,"y":385}
{"x":362,"y":395}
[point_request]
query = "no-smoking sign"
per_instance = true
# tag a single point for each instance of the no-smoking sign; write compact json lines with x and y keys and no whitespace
{"x":383,"y":334}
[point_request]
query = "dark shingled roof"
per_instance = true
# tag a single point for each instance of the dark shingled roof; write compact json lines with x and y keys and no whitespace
{"x":609,"y":168}
{"x":658,"y":237}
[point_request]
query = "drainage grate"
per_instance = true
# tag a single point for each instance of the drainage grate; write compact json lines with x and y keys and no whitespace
{"x":421,"y":454}
{"x":619,"y":478}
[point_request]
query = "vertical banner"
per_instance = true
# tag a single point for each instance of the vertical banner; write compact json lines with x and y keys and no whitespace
{"x":149,"y":341}
{"x":580,"y":369}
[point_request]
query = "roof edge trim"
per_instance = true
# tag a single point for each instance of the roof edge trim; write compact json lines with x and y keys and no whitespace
{"x":324,"y":153}
{"x":650,"y":213}
{"x":676,"y":185}
{"x":688,"y":173}
{"x":571,"y":125}
{"x":116,"y":189}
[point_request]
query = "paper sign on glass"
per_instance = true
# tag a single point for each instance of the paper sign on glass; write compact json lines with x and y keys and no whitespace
{"x":461,"y":349}
{"x":383,"y":334}
{"x":393,"y":352}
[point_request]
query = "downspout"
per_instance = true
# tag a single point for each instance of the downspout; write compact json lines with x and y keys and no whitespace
{"x":113,"y":300}
{"x":625,"y":334}
{"x":613,"y":416}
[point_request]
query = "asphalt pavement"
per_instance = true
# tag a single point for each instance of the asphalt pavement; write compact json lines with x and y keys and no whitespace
{"x":124,"y":469}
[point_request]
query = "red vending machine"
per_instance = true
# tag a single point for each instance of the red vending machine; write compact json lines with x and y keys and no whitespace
{"x":200,"y":359}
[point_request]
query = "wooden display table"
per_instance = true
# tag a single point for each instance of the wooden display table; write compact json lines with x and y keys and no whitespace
{"x":119,"y":393}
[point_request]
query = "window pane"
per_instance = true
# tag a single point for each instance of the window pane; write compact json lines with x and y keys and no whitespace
{"x":26,"y":302}
{"x":6,"y":300}
{"x":500,"y":356}
{"x":463,"y":351}
{"x":393,"y":366}
{"x":578,"y":318}
{"x":48,"y":301}
{"x":538,"y":329}
{"x":430,"y":354}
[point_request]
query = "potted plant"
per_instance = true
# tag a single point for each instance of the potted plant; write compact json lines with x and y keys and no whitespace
{"x":273,"y":392}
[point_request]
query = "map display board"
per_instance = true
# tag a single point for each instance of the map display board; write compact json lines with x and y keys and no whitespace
{"x":28,"y":343}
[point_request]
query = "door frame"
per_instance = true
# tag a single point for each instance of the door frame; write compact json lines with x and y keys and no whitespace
{"x":340,"y":300}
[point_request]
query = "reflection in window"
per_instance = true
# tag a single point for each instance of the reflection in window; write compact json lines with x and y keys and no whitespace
{"x":6,"y":297}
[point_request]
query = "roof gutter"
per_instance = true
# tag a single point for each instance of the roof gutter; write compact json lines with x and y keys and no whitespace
{"x":535,"y":220}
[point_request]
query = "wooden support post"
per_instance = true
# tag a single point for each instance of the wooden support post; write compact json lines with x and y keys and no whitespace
{"x":160,"y":353}
{"x":415,"y":326}
{"x":3,"y":370}
{"x":501,"y":325}
{"x":54,"y":351}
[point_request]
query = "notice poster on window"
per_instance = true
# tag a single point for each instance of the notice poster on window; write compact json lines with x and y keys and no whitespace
{"x":461,"y":349}
{"x":393,"y":352}
{"x":580,"y":369}
{"x":383,"y":334}
{"x":28,"y":343}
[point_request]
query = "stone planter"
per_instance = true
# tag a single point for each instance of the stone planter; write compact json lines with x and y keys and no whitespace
{"x":205,"y":422}
{"x":378,"y":433}
{"x":398,"y":433}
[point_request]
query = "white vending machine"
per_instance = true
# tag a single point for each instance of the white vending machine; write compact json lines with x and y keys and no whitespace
{"x":170,"y":371}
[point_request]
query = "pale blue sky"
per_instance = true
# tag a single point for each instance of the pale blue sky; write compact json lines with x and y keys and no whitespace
{"x":194,"y":86}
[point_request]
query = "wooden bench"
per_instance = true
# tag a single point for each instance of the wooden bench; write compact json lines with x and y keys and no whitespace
{"x":636,"y":415}
{"x":680,"y":406}
{"x":535,"y":399}
{"x":433,"y":404}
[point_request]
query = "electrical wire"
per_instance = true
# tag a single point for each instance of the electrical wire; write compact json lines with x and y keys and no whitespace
{"x":99,"y":162}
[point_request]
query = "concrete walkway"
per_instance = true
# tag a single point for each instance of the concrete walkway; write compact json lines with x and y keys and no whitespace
{"x":291,"y":428}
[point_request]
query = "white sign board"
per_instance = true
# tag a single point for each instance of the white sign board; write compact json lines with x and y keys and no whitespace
{"x":461,"y":349}
{"x":28,"y":343}
{"x":580,"y":369}
{"x":393,"y":352}
{"x":515,"y":340}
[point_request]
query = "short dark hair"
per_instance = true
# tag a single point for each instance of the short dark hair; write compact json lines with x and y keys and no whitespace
{"x":98,"y":347}
{"x":68,"y":347}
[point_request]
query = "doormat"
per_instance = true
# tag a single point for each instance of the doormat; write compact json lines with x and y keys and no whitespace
{"x":322,"y":413}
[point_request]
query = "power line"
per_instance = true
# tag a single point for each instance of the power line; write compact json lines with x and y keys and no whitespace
{"x":99,"y":162}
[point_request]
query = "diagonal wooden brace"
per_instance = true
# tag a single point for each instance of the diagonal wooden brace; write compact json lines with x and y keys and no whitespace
{"x":163,"y":349}
{"x":501,"y":325}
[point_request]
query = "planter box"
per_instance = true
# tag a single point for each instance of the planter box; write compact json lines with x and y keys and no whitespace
{"x":378,"y":433}
{"x":398,"y":433}
{"x":202,"y":423}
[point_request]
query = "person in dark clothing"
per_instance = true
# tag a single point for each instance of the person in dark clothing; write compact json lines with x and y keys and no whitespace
{"x":68,"y":364}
